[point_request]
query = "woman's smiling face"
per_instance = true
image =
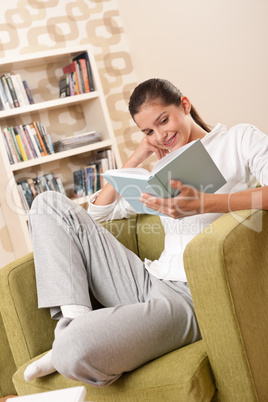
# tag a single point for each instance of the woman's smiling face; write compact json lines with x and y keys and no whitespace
{"x":166,"y":127}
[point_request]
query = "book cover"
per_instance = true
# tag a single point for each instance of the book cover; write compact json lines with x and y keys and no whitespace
{"x":80,"y":78}
{"x":44,"y":151}
{"x":25,"y":142}
{"x":8,"y":150}
{"x":28,"y":92}
{"x":12,"y":90}
{"x":91,"y":182}
{"x":27,"y":192}
{"x":11,"y":145}
{"x":48,"y":139}
{"x":32,"y":134}
{"x":73,"y":69}
{"x":32,"y":187}
{"x":22,"y":197}
{"x":51,"y":182}
{"x":16,"y":145}
{"x":60,"y":185}
{"x":44,"y":137}
{"x":83,"y":66}
{"x":37,"y":185}
{"x":7,"y":92}
{"x":79,"y":183}
{"x":20,"y":144}
{"x":64,"y":86}
{"x":4,"y":96}
{"x":190,"y":164}
{"x":2,"y":107}
{"x":29,"y":141}
{"x":21,"y":90}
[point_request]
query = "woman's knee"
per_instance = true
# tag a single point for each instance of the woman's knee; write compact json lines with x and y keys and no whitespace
{"x":76,"y":354}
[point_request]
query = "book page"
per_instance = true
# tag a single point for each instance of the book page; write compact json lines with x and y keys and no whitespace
{"x":130,"y":172}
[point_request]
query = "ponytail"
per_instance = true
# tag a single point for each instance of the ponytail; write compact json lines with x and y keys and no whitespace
{"x":195,"y":115}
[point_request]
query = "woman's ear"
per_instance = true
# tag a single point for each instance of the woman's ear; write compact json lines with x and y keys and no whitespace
{"x":186,"y":104}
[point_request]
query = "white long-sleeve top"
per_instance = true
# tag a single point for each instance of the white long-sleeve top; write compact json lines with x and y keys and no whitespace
{"x":241,"y":155}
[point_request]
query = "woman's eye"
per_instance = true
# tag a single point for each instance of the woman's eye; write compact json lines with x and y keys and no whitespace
{"x":149,"y":132}
{"x":164,"y":120}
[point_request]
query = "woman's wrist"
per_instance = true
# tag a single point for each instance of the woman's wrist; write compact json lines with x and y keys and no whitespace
{"x":132,"y":162}
{"x":216,"y":203}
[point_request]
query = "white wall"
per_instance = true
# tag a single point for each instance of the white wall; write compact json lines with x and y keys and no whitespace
{"x":215,"y":51}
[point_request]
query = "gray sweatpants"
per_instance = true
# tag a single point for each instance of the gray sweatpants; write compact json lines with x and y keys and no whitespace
{"x":144,"y":317}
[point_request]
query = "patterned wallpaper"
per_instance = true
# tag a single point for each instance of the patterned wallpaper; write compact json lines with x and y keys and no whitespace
{"x":28,"y":26}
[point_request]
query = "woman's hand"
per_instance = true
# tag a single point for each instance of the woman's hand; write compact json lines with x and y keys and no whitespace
{"x":143,"y":151}
{"x":190,"y":201}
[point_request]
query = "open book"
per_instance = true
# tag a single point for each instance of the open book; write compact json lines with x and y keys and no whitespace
{"x":191,"y":164}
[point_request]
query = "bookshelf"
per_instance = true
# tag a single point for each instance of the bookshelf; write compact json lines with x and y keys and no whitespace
{"x":63,"y":117}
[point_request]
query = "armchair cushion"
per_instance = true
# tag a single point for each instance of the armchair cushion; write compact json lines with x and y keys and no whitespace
{"x":182,"y":375}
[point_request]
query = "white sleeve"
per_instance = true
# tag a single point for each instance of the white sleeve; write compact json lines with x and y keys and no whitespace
{"x":119,"y":209}
{"x":255,"y":153}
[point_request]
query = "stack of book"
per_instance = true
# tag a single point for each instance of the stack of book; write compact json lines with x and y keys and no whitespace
{"x":14,"y":92}
{"x":26,"y":142}
{"x":75,"y":141}
{"x":77,"y":77}
{"x":30,"y":188}
{"x":89,"y":179}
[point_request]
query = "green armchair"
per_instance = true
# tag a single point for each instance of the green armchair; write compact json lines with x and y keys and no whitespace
{"x":227,"y":270}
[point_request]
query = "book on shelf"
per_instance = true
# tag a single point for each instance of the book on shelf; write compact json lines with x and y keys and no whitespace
{"x":3,"y":96}
{"x":191,"y":164}
{"x":7,"y":92}
{"x":30,"y":188}
{"x":77,"y":140}
{"x":65,"y":86}
{"x":2,"y":107}
{"x":77,"y":77}
{"x":89,"y":179}
{"x":26,"y":142}
{"x":79,"y":183}
{"x":8,"y":149}
{"x":28,"y":92}
{"x":84,"y":56}
{"x":20,"y":90}
{"x":13,"y":92}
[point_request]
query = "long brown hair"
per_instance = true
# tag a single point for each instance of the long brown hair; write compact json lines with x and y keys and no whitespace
{"x":156,"y":88}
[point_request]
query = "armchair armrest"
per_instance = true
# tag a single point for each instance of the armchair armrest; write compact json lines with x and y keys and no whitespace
{"x":227,"y":270}
{"x":29,"y":329}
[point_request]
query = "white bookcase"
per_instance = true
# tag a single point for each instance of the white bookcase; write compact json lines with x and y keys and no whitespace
{"x":71,"y":115}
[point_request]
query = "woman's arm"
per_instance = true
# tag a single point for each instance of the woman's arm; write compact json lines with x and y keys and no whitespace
{"x":191,"y":201}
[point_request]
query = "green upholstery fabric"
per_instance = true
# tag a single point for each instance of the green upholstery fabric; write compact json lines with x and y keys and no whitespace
{"x":7,"y":364}
{"x":29,"y":330}
{"x":183,"y":375}
{"x":226,"y":266}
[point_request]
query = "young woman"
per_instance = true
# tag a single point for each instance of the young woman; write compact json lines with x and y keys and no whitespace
{"x":148,"y":307}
